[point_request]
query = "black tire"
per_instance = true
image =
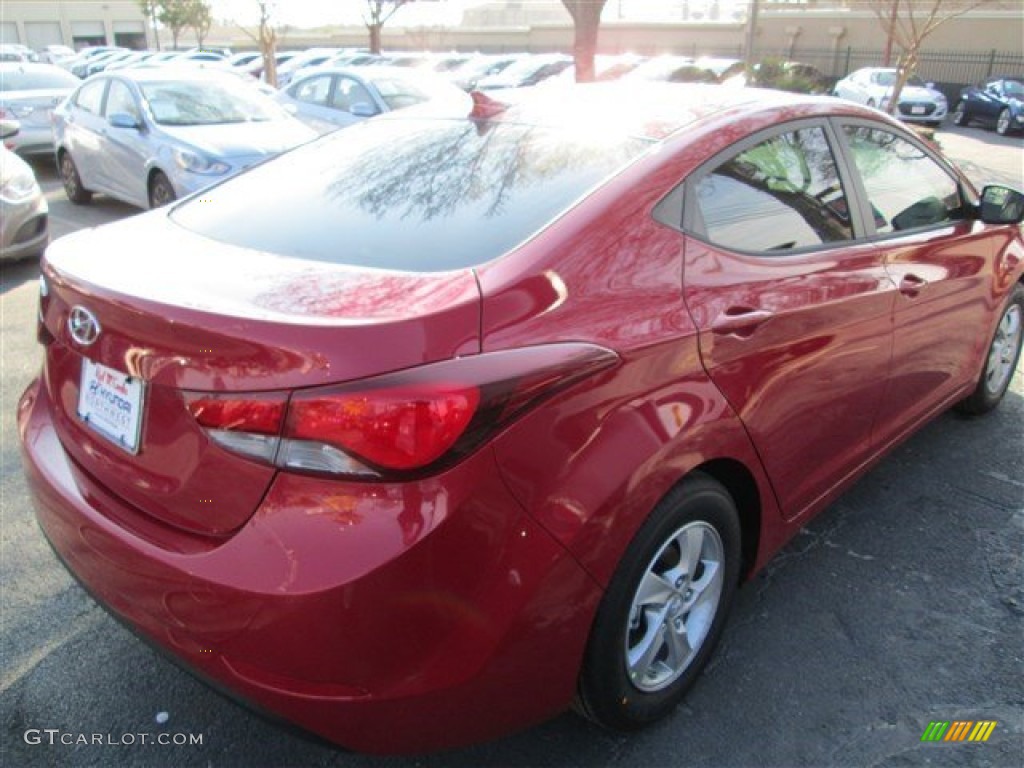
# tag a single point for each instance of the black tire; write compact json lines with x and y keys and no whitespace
{"x":871,"y":102}
{"x":1001,"y":359}
{"x":960,"y":115}
{"x":618,"y":694}
{"x":73,"y":187}
{"x":1004,"y":123}
{"x":160,"y":191}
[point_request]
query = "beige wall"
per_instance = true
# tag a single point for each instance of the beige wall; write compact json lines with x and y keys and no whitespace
{"x":68,"y":18}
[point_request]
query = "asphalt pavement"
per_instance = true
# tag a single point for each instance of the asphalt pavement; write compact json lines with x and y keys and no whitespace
{"x":900,"y":605}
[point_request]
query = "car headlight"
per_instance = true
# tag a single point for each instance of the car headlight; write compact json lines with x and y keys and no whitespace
{"x":194,"y":163}
{"x":19,"y":187}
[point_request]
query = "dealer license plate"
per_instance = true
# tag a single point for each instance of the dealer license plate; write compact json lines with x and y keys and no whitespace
{"x":110,"y":402}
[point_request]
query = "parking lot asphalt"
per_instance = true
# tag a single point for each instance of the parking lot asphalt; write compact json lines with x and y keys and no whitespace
{"x":900,"y":605}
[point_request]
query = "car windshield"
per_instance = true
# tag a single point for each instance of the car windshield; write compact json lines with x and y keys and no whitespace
{"x":206,"y":102}
{"x":413,"y":195}
{"x":402,"y":92}
{"x":889,"y":78}
{"x":1013,"y":88}
{"x":17,"y":80}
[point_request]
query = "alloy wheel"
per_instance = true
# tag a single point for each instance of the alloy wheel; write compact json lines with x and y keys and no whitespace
{"x":674,"y":606}
{"x":1003,"y":353}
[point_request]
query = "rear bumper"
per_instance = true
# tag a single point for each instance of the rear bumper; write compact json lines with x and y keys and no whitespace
{"x":384,"y":618}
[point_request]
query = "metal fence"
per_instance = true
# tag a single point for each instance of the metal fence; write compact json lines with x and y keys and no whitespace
{"x":951,"y":67}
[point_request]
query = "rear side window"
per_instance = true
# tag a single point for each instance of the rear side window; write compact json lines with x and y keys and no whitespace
{"x":907,"y":189}
{"x":780,"y":195}
{"x":414,"y":195}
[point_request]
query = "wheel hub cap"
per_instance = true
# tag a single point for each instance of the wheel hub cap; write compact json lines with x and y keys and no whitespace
{"x":674,"y":606}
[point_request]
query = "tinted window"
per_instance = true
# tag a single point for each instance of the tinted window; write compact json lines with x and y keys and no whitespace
{"x":782,"y":194}
{"x":90,"y":97}
{"x":907,"y":188}
{"x":1013,"y":89}
{"x":413,"y":195}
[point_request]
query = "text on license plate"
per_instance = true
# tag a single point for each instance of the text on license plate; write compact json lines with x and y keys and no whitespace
{"x":110,"y":402}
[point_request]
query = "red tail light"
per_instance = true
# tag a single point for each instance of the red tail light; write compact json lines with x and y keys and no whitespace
{"x":397,"y":425}
{"x":398,"y":428}
{"x":251,"y":413}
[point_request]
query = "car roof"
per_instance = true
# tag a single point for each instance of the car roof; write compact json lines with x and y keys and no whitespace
{"x":370,"y":73}
{"x":168,"y":73}
{"x":28,"y":66}
{"x":648,"y":110}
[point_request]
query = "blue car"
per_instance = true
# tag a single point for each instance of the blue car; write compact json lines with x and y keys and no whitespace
{"x":150,"y":136}
{"x":327,"y":98}
{"x":998,"y":103}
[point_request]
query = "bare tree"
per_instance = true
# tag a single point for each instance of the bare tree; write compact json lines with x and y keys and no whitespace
{"x":266,"y":39}
{"x":378,"y":12}
{"x":908,"y":23}
{"x":586,"y":19}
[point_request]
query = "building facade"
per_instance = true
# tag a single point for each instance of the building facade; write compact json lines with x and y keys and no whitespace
{"x":75,"y":23}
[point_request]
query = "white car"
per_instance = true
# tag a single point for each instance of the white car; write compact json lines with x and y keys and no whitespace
{"x":920,"y":102}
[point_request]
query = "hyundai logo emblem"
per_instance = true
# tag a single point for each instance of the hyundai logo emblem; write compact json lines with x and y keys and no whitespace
{"x":83,"y":326}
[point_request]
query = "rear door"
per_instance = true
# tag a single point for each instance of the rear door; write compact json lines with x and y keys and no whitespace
{"x":794,"y":315}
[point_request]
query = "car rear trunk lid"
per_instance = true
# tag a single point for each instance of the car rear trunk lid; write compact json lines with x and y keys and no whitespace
{"x":179,"y":314}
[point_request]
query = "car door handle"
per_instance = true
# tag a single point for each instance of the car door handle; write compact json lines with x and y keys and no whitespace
{"x":739,"y":321}
{"x":911,"y":285}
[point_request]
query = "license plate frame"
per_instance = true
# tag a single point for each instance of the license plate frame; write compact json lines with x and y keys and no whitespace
{"x":110,"y":403}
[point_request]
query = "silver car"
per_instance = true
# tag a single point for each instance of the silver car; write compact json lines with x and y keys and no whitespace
{"x":28,"y":94}
{"x":327,"y":98}
{"x":23,"y":211}
{"x":150,"y":136}
{"x":920,"y":102}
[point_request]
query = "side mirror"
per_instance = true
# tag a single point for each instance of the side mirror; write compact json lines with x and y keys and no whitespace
{"x":363,"y":109}
{"x":123,"y":120}
{"x":1001,"y":205}
{"x":9,"y":128}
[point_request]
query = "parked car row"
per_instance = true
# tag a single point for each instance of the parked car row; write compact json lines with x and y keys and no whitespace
{"x":996,"y":103}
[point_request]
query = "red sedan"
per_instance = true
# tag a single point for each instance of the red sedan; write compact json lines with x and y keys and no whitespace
{"x":422,"y":432}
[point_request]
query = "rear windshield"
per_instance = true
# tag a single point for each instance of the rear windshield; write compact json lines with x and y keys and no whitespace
{"x":35,"y":80}
{"x":414,"y":195}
